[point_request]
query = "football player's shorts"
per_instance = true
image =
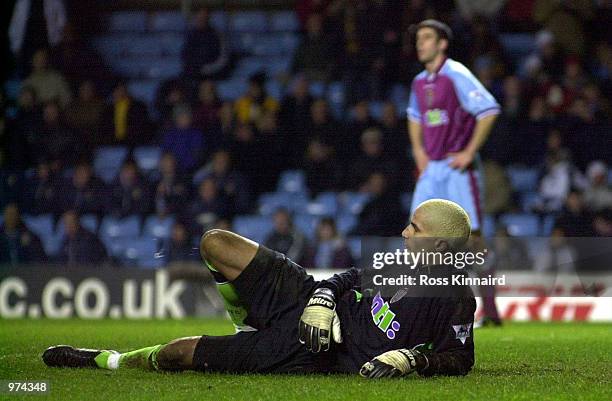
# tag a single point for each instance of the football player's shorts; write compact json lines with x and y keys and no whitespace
{"x":274,"y":291}
{"x":440,"y":180}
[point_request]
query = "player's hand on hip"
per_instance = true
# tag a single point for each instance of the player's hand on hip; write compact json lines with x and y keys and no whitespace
{"x":394,"y":363}
{"x":461,"y":160}
{"x":421,"y":159}
{"x":319,"y":324}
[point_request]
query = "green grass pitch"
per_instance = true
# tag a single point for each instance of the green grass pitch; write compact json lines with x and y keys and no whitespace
{"x":530,"y":361}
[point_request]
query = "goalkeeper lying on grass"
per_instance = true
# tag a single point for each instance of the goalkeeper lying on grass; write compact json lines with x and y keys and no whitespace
{"x":289,"y":323}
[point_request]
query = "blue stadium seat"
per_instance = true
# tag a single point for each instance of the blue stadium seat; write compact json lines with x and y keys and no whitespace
{"x":115,"y":231}
{"x":270,"y":44}
{"x":523,"y":179}
{"x":274,"y":89}
{"x":243,"y":42}
{"x":249,"y":21}
{"x":400,"y":95}
{"x":376,"y":110}
{"x":517,"y":45}
{"x":353,"y":202}
{"x":548,"y":224}
{"x":171,"y":44}
{"x":90,"y":222}
{"x":278,"y":65}
{"x":488,"y":226}
{"x":326,"y":204}
{"x":346,"y":222}
{"x":135,"y":21}
{"x":317,"y":89}
{"x":43,"y":226}
{"x":143,"y":252}
{"x":284,"y":21}
{"x":354,"y":245}
{"x":292,"y":181}
{"x":307,"y":224}
{"x":521,"y":224}
{"x":167,"y":21}
{"x":108,"y":160}
{"x":231,"y":90}
{"x":158,"y":228}
{"x":218,"y":20}
{"x":144,"y":89}
{"x":147,"y":158}
{"x":249,"y":66}
{"x":254,"y":227}
{"x":336,"y":98}
{"x":292,"y":201}
{"x":165,"y":68}
{"x":529,"y":200}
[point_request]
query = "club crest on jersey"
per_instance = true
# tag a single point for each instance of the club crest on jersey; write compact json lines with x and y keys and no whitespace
{"x":436,"y":117}
{"x":462,"y":331}
{"x":383,"y":317}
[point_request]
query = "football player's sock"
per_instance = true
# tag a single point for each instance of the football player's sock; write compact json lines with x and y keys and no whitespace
{"x":144,"y":358}
{"x":234,"y":307}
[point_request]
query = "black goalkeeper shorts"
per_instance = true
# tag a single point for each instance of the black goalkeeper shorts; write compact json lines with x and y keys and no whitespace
{"x":274,"y":290}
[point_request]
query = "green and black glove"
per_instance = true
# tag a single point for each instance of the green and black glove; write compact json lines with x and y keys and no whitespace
{"x":319,"y":324}
{"x":394,"y":363}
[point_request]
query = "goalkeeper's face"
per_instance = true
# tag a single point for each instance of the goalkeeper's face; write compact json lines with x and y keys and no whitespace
{"x":417,"y":235}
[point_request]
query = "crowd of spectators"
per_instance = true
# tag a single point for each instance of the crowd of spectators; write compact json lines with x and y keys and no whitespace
{"x":219,"y":156}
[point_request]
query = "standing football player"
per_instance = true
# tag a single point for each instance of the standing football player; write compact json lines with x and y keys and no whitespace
{"x":450,"y":116}
{"x":293,"y":317}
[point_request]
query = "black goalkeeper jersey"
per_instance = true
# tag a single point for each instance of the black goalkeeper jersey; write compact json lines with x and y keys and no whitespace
{"x":440,"y":327}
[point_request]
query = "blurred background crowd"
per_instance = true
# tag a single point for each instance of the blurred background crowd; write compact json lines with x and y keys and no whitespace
{"x":125,"y":134}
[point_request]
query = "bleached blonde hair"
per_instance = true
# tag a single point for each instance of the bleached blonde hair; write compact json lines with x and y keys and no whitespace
{"x":446,"y":219}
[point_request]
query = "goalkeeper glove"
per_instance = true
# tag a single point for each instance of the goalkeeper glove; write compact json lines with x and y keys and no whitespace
{"x":394,"y":363}
{"x":319,"y":324}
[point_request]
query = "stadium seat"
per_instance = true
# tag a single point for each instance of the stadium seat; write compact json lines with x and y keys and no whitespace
{"x":164,"y":68}
{"x":353,"y":202}
{"x":292,"y":201}
{"x":278,"y":65}
{"x":529,"y":200}
{"x":521,"y":224}
{"x":171,"y":43}
{"x":135,"y":21}
{"x":249,"y":66}
{"x":114,"y":232}
{"x":108,"y":160}
{"x":488,"y":226}
{"x":400,"y":95}
{"x":90,"y":222}
{"x":249,"y":21}
{"x":274,"y":89}
{"x":144,"y":90}
{"x":143,"y":252}
{"x":523,"y":179}
{"x":167,"y":21}
{"x":43,"y":226}
{"x":326,"y":204}
{"x":284,"y":21}
{"x":346,"y":222}
{"x":317,"y":89}
{"x":232,"y":89}
{"x":336,"y":98}
{"x":254,"y":227}
{"x":354,"y":245}
{"x":548,"y":224}
{"x":292,"y":181}
{"x":218,"y":20}
{"x":517,"y":45}
{"x":376,"y":110}
{"x":147,"y":158}
{"x":307,"y":224}
{"x":157,"y":227}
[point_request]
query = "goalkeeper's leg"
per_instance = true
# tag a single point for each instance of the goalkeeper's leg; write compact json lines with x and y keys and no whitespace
{"x":176,"y":355}
{"x":226,"y":255}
